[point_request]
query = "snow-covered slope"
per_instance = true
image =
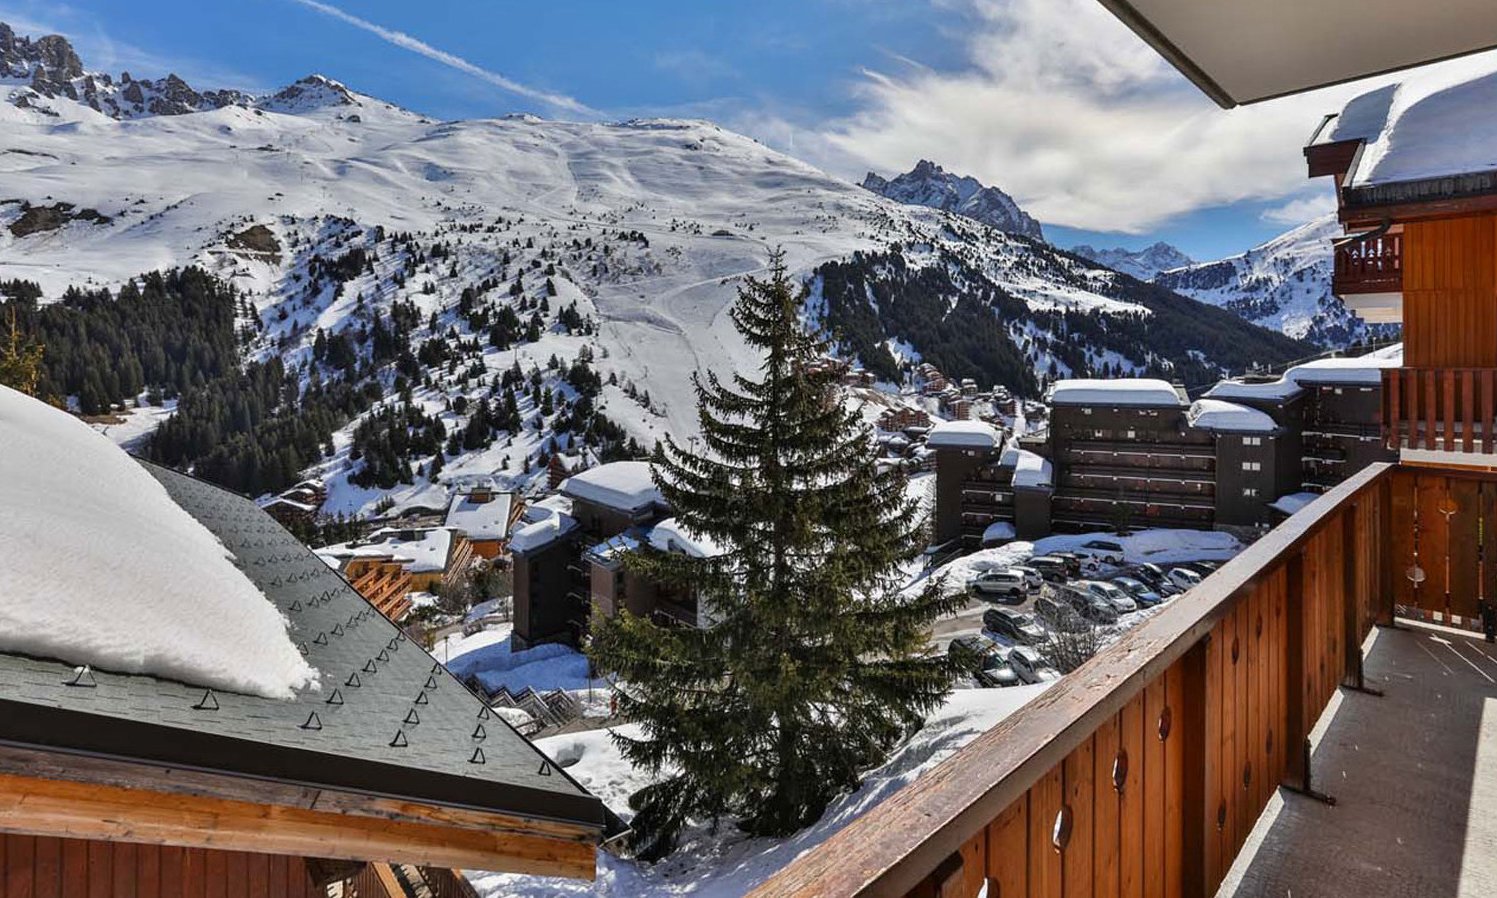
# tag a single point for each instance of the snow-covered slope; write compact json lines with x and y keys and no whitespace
{"x":1283,"y":285}
{"x":927,"y":184}
{"x":1144,"y":264}
{"x":331,"y":211}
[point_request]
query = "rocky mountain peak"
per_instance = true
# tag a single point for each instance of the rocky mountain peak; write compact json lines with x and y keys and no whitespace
{"x":1144,"y":264}
{"x":928,"y":184}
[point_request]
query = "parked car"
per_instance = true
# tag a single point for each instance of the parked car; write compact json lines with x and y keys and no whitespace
{"x":1016,"y":625}
{"x":1120,"y":601}
{"x":1104,"y":550}
{"x":1075,"y":563}
{"x":1060,"y":615}
{"x":1031,"y":666}
{"x":1032,"y":578}
{"x":1090,"y":605}
{"x":987,"y":662}
{"x":1005,"y":584}
{"x":1145,"y":596}
{"x":1184,"y":578}
{"x":1056,"y":570}
{"x":1155,"y":576}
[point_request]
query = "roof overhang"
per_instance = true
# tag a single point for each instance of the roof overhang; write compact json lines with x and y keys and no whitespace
{"x":1244,"y":52}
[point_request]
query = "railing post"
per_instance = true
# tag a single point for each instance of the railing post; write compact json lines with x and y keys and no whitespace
{"x":1296,"y":772}
{"x":1198,"y":773}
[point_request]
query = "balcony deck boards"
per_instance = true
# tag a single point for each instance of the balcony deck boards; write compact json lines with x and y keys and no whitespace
{"x":1415,"y":778}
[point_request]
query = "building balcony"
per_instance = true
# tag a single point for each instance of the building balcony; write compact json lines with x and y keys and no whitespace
{"x":1201,"y":742}
{"x":1368,"y":275}
{"x":1440,"y":409}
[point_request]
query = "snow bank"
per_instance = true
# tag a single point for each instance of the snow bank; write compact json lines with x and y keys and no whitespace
{"x":728,"y":864}
{"x":101,"y":567}
{"x":495,"y":664}
{"x":998,"y":532}
{"x":1118,"y":391}
{"x":963,"y":435}
{"x":624,"y":485}
{"x":1229,"y":417}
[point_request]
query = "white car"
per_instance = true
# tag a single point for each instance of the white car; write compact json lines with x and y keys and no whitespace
{"x":1113,"y":595}
{"x":1000,"y":584}
{"x":1030,"y":665}
{"x":1105,"y":551}
{"x":1184,"y":578}
{"x":1032,"y":577}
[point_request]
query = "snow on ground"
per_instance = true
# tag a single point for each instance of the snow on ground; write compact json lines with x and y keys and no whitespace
{"x":489,"y":656}
{"x":129,"y":428}
{"x":728,"y":864}
{"x":100,"y":567}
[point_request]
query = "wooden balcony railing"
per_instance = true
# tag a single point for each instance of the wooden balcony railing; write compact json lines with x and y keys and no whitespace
{"x":1448,"y":409}
{"x":1373,"y":265}
{"x":1142,"y":772}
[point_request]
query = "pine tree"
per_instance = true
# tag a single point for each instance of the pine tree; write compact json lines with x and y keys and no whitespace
{"x":815,"y":664}
{"x":20,"y":360}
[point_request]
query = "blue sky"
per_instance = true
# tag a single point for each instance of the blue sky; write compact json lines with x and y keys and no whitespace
{"x":1051,"y":100}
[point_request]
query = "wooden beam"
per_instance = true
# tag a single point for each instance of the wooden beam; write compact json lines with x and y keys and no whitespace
{"x":44,"y":807}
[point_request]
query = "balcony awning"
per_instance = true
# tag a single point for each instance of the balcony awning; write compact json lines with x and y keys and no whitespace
{"x":1244,"y":51}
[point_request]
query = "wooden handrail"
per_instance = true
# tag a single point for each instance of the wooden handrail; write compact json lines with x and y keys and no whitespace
{"x":961,"y":821}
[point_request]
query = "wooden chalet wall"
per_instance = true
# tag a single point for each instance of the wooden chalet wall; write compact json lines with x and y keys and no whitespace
{"x":1143,"y":772}
{"x":1450,"y":293}
{"x":42,"y":867}
{"x":1444,"y":515}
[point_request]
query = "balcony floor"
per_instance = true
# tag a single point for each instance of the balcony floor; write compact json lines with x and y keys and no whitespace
{"x":1414,"y":774}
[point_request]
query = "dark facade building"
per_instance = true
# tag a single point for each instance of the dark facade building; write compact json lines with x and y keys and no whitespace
{"x":1125,"y":454}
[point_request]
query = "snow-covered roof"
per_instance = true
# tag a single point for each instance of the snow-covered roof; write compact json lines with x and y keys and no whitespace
{"x":480,"y":520}
{"x":542,"y":533}
{"x":1365,"y":370}
{"x":427,"y":548}
{"x":616,"y":545}
{"x":622,"y":485}
{"x":671,"y":535}
{"x":964,"y":435}
{"x":1435,"y":123}
{"x":1293,"y":502}
{"x":1144,"y":391}
{"x":1030,"y":469}
{"x":1228,"y":417}
{"x":1278,"y":390}
{"x":101,"y":568}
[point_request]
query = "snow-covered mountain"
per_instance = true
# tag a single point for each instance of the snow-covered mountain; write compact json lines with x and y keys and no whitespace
{"x":1144,"y":264}
{"x":508,"y":250}
{"x":1283,"y":285}
{"x":927,"y":184}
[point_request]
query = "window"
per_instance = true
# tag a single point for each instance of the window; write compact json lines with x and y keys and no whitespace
{"x":1252,"y":441}
{"x":1250,"y":492}
{"x":1132,"y":434}
{"x":1086,"y":411}
{"x":1252,"y":466}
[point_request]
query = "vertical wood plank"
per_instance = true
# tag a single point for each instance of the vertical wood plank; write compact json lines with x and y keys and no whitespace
{"x":173,"y":871}
{"x":1212,"y":726}
{"x":1411,"y":394}
{"x":1008,"y":852}
{"x":1392,"y":410}
{"x":1077,"y":856}
{"x":1131,"y":807}
{"x":1448,"y":376}
{"x":1155,"y":778}
{"x":20,"y":866}
{"x":1468,"y":410}
{"x":1174,"y":779}
{"x":214,"y":869}
{"x":100,"y":868}
{"x":236,"y":874}
{"x":47,"y":873}
{"x":124,"y":869}
{"x":1044,"y":860}
{"x":148,"y":871}
{"x":257,"y":874}
{"x":1429,"y":410}
{"x":74,"y":867}
{"x":1488,"y":383}
{"x":1107,"y":807}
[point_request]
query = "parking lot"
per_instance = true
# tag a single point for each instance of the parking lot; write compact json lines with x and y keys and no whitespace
{"x":968,"y":622}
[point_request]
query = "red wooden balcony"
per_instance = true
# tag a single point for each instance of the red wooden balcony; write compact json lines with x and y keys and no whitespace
{"x":1144,"y":772}
{"x":1371,"y":265}
{"x":1445,"y":409}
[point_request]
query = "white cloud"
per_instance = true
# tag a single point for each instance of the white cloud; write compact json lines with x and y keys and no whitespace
{"x":1298,"y":211}
{"x":1061,"y":105}
{"x":416,"y":45}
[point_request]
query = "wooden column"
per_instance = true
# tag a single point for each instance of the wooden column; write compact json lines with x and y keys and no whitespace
{"x":1199,"y":820}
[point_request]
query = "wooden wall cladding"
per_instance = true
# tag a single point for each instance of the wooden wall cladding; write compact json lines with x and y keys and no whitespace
{"x":43,"y":867}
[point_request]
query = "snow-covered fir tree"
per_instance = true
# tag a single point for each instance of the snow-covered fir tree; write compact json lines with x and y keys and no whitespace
{"x":816,"y":662}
